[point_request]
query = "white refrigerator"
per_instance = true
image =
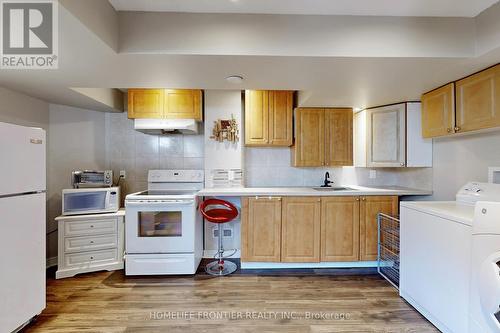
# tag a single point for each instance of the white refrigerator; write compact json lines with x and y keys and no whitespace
{"x":22,"y":224}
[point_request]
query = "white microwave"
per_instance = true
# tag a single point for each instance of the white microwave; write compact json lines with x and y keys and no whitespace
{"x":90,"y":200}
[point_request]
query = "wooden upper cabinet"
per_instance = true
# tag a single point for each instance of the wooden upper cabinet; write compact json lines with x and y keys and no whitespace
{"x":438,"y":111}
{"x":339,"y":228}
{"x":261,"y":229}
{"x":300,"y":231}
{"x":256,"y":117}
{"x":386,"y":136}
{"x":165,"y":103}
{"x":338,"y":137}
{"x":309,"y":148}
{"x":280,"y":118}
{"x":323,"y":137}
{"x":368,"y":229}
{"x":183,"y":104}
{"x":268,"y":117}
{"x":478,"y":101}
{"x":145,"y":103}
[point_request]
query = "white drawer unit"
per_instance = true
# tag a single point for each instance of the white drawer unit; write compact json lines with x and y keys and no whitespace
{"x":89,"y":243}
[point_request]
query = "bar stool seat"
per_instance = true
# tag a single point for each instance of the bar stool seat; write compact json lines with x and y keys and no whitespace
{"x":220,"y":216}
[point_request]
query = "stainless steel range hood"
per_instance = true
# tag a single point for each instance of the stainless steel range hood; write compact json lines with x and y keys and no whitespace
{"x":165,"y":126}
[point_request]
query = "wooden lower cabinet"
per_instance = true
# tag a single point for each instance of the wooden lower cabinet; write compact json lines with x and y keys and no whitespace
{"x":261,"y":229}
{"x":300,"y":229}
{"x":368,"y":230}
{"x":312,"y":229}
{"x":340,"y":228}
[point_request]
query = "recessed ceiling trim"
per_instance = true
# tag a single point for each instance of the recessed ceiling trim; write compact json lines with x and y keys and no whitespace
{"x":436,"y":8}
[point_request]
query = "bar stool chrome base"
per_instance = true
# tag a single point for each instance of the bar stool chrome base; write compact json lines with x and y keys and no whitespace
{"x":213,"y":268}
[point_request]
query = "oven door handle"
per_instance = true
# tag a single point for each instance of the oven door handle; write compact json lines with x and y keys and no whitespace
{"x":159,"y":203}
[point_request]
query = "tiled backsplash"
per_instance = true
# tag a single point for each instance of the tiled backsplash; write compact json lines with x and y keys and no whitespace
{"x":136,"y":152}
{"x":271,"y":167}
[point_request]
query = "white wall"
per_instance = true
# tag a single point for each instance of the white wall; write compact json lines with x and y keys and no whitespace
{"x":220,"y":104}
{"x":75,"y":141}
{"x":458,"y":160}
{"x":20,"y":109}
{"x":271,"y":167}
{"x":136,"y":152}
{"x":296,"y":35}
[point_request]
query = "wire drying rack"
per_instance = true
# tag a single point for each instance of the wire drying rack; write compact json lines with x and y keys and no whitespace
{"x":388,"y":248}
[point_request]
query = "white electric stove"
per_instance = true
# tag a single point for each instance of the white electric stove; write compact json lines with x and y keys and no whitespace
{"x":163,"y":228}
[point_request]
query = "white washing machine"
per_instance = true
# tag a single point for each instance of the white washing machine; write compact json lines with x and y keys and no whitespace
{"x":435,"y":250}
{"x":485,"y":269}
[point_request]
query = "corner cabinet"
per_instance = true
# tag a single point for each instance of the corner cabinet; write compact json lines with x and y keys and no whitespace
{"x":268,"y":118}
{"x":323,"y":137}
{"x":384,"y":137}
{"x":165,"y":103}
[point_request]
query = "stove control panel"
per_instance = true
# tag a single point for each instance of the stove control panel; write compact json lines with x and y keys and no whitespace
{"x":175,"y":176}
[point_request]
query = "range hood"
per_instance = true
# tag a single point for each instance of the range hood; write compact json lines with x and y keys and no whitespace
{"x":164,"y":126}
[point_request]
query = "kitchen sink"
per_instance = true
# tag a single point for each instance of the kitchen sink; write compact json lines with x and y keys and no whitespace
{"x":334,"y":188}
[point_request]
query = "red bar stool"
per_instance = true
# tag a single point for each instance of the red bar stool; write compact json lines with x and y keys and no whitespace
{"x":220,"y":216}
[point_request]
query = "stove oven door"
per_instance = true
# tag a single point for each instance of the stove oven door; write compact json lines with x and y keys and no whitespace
{"x":166,"y":226}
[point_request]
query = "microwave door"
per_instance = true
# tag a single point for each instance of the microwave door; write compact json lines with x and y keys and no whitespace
{"x":85,"y":202}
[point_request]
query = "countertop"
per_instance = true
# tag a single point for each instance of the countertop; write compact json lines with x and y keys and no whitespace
{"x":120,"y":212}
{"x":309,"y":191}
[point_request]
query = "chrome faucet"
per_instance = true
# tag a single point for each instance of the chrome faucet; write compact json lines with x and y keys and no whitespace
{"x":327,"y":180}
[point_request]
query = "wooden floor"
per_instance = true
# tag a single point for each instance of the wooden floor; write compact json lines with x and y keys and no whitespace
{"x":243,"y":302}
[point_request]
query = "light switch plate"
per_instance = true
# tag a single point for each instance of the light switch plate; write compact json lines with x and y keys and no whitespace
{"x":373,"y":174}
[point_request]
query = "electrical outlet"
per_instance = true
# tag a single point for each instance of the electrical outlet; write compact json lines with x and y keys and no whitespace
{"x":123,"y":174}
{"x":373,"y":174}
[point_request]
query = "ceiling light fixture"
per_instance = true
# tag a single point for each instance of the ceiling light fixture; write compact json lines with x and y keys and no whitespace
{"x":234,"y":79}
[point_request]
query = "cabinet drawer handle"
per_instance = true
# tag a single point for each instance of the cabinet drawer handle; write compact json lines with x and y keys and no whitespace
{"x":457,"y":129}
{"x":91,"y":225}
{"x":91,"y":242}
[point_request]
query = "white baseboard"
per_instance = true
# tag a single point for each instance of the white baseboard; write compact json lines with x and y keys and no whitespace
{"x":210,"y":253}
{"x":271,"y":265}
{"x":51,"y":262}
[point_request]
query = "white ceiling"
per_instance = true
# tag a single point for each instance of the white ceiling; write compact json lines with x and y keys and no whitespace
{"x":447,"y":8}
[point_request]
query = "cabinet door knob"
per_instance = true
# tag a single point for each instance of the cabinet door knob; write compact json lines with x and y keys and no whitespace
{"x":457,"y":129}
{"x":363,"y":199}
{"x":448,"y":130}
{"x":357,"y":199}
{"x":402,"y":164}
